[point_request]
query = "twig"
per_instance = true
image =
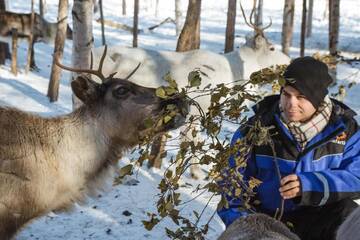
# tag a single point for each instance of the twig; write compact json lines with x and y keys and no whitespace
{"x":279,"y":212}
{"x":202,"y":212}
{"x":128,"y":28}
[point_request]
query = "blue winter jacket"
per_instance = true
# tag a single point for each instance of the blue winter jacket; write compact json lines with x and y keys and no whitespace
{"x":328,"y":166}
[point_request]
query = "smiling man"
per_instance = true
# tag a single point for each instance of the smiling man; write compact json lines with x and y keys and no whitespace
{"x":317,"y":146}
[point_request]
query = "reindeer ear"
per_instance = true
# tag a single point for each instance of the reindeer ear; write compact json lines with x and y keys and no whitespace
{"x":86,"y":89}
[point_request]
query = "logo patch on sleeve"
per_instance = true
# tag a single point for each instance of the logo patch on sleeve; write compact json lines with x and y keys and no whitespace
{"x":340,"y":139}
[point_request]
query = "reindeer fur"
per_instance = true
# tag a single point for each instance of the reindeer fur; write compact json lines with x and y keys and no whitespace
{"x":47,"y":164}
{"x":257,"y":227}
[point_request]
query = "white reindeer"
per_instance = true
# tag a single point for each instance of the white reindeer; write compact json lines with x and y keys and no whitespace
{"x":219,"y":68}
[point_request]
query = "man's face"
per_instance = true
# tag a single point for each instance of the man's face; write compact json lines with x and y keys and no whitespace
{"x":295,"y":105}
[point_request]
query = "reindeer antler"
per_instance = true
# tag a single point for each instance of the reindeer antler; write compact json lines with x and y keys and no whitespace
{"x":133,"y":71}
{"x":251,"y":24}
{"x":97,"y":72}
{"x":267,"y":26}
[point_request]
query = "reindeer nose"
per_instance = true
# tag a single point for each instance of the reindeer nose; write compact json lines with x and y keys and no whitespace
{"x":181,"y":103}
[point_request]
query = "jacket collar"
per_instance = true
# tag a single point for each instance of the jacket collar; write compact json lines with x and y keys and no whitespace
{"x":269,"y":106}
{"x":268,"y":112}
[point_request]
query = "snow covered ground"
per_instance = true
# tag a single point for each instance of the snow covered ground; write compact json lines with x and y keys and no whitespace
{"x":103,"y":217}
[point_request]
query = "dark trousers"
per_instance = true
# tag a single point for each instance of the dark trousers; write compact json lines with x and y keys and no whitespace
{"x":317,"y":223}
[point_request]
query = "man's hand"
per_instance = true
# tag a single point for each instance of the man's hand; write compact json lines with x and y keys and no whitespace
{"x":290,"y":186}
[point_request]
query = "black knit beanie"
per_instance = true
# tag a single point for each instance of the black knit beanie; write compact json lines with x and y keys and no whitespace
{"x":310,"y":77}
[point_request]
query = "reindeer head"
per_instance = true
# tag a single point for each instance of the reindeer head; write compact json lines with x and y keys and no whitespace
{"x":257,"y":41}
{"x":45,"y":31}
{"x":123,"y":108}
{"x":258,"y":49}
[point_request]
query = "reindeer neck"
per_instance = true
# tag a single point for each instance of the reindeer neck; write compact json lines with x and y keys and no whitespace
{"x":50,"y":33}
{"x":84,"y":149}
{"x":236,"y":64}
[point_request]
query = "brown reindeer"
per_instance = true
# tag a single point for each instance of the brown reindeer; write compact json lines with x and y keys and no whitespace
{"x":43,"y":31}
{"x":47,"y":164}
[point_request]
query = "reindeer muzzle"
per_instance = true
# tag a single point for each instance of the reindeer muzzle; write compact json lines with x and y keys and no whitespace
{"x":181,"y":111}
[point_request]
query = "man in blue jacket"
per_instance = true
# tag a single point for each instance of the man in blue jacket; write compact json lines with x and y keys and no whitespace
{"x":316,"y":140}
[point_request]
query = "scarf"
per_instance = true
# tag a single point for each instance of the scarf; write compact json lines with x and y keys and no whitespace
{"x":303,"y":132}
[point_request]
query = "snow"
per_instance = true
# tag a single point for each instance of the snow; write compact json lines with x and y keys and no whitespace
{"x":102,"y":217}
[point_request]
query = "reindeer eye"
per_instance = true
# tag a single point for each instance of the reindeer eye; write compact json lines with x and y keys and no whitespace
{"x":120,"y":92}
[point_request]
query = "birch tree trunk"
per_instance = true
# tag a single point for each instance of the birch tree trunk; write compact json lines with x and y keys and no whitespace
{"x":4,"y":46}
{"x":42,"y":7}
{"x":189,"y":38}
{"x":334,"y":22}
{"x":303,"y":29}
{"x":177,"y":17}
{"x":136,"y":23}
{"x":309,"y":19}
{"x":124,"y":7}
{"x":230,"y":26}
{"x":334,"y":17}
{"x":82,"y":14}
{"x":288,"y":24}
{"x":326,"y":10}
{"x":53,"y":89}
{"x":102,"y":22}
{"x":157,"y":8}
{"x":14,"y":51}
{"x":259,"y":14}
{"x":30,"y":46}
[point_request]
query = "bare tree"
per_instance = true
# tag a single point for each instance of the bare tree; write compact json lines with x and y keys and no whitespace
{"x":177,"y":17}
{"x":102,"y":22}
{"x":334,"y":17}
{"x":288,"y":24}
{"x":82,"y":14}
{"x":2,"y":5}
{"x":4,"y":47}
{"x":157,"y":152}
{"x":136,"y":23}
{"x":157,"y":8}
{"x":42,"y":7}
{"x":303,"y":29}
{"x":189,"y":38}
{"x":230,"y":26}
{"x":309,"y":19}
{"x":259,"y":14}
{"x":14,"y":51}
{"x":326,"y":10}
{"x":53,"y":89}
{"x":30,"y":46}
{"x":124,"y":7}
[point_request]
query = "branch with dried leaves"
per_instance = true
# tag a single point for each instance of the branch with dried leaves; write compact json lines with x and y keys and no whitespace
{"x":228,"y":103}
